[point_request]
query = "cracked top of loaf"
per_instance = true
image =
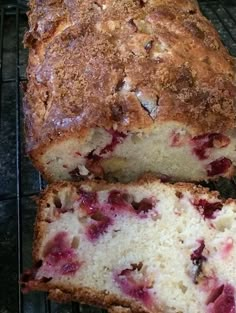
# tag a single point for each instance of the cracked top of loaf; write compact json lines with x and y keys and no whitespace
{"x":127,"y":64}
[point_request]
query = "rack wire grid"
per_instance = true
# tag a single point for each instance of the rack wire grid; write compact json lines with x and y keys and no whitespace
{"x":19,"y":181}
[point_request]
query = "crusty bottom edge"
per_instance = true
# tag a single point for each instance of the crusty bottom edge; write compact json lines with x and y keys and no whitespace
{"x":84,"y":295}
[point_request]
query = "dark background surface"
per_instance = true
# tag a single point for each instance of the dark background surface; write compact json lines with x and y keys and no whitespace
{"x":19,"y":181}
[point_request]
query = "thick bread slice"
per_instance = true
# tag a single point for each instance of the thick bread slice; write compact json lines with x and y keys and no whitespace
{"x":119,"y":88}
{"x":140,"y":248}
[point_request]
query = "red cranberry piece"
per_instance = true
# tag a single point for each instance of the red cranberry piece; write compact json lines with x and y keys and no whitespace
{"x":221,"y":300}
{"x":59,"y":258}
{"x":63,"y":263}
{"x":137,"y":289}
{"x":134,"y":289}
{"x":96,"y":229}
{"x":220,"y":140}
{"x":138,"y":292}
{"x":121,"y":200}
{"x":227,"y":247}
{"x":177,"y":139}
{"x":117,"y":198}
{"x":70,"y":268}
{"x":94,"y":157}
{"x":95,"y":168}
{"x":197,"y":256}
{"x":89,"y":201}
{"x":117,"y":137}
{"x":58,"y":249}
{"x":203,"y":143}
{"x":201,"y":153}
{"x":207,"y":209}
{"x":215,"y":293}
{"x":219,"y":166}
{"x":55,"y":257}
{"x":57,"y":245}
{"x":144,"y":205}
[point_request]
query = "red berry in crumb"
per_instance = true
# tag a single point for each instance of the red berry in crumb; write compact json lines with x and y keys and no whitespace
{"x":203,"y":143}
{"x":118,"y":199}
{"x":121,"y":200}
{"x":117,"y":137}
{"x":177,"y":139}
{"x":59,"y":258}
{"x":89,"y":201}
{"x":221,"y":300}
{"x":95,"y":168}
{"x":144,"y":206}
{"x":97,"y":228}
{"x":219,"y":166}
{"x":207,"y":209}
{"x":197,"y":256}
{"x":135,"y":288}
{"x":70,"y":268}
{"x":227,"y":247}
{"x":58,"y":244}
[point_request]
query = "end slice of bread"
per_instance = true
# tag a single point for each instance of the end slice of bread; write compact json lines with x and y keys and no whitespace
{"x":144,"y":247}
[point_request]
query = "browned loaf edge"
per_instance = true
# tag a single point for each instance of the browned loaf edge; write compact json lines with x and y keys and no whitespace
{"x":80,"y":53}
{"x":85,"y":295}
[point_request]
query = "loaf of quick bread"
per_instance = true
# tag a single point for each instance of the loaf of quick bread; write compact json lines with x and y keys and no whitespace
{"x":145,"y":247}
{"x":119,"y":88}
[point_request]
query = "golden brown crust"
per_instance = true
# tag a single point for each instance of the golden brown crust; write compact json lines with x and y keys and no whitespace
{"x":119,"y":309}
{"x":92,"y":297}
{"x":60,"y":293}
{"x":82,"y":51}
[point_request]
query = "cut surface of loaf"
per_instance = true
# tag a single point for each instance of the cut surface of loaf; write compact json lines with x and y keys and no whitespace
{"x":119,"y":88}
{"x":145,"y":247}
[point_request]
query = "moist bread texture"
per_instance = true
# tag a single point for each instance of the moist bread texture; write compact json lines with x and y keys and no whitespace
{"x":137,"y":70}
{"x":145,"y":247}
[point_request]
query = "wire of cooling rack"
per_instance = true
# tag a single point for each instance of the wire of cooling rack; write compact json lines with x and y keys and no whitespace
{"x":1,"y":53}
{"x":16,"y":193}
{"x":18,"y":163}
{"x":19,"y":180}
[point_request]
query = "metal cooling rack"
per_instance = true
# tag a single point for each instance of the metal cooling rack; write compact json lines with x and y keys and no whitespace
{"x":19,"y":181}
